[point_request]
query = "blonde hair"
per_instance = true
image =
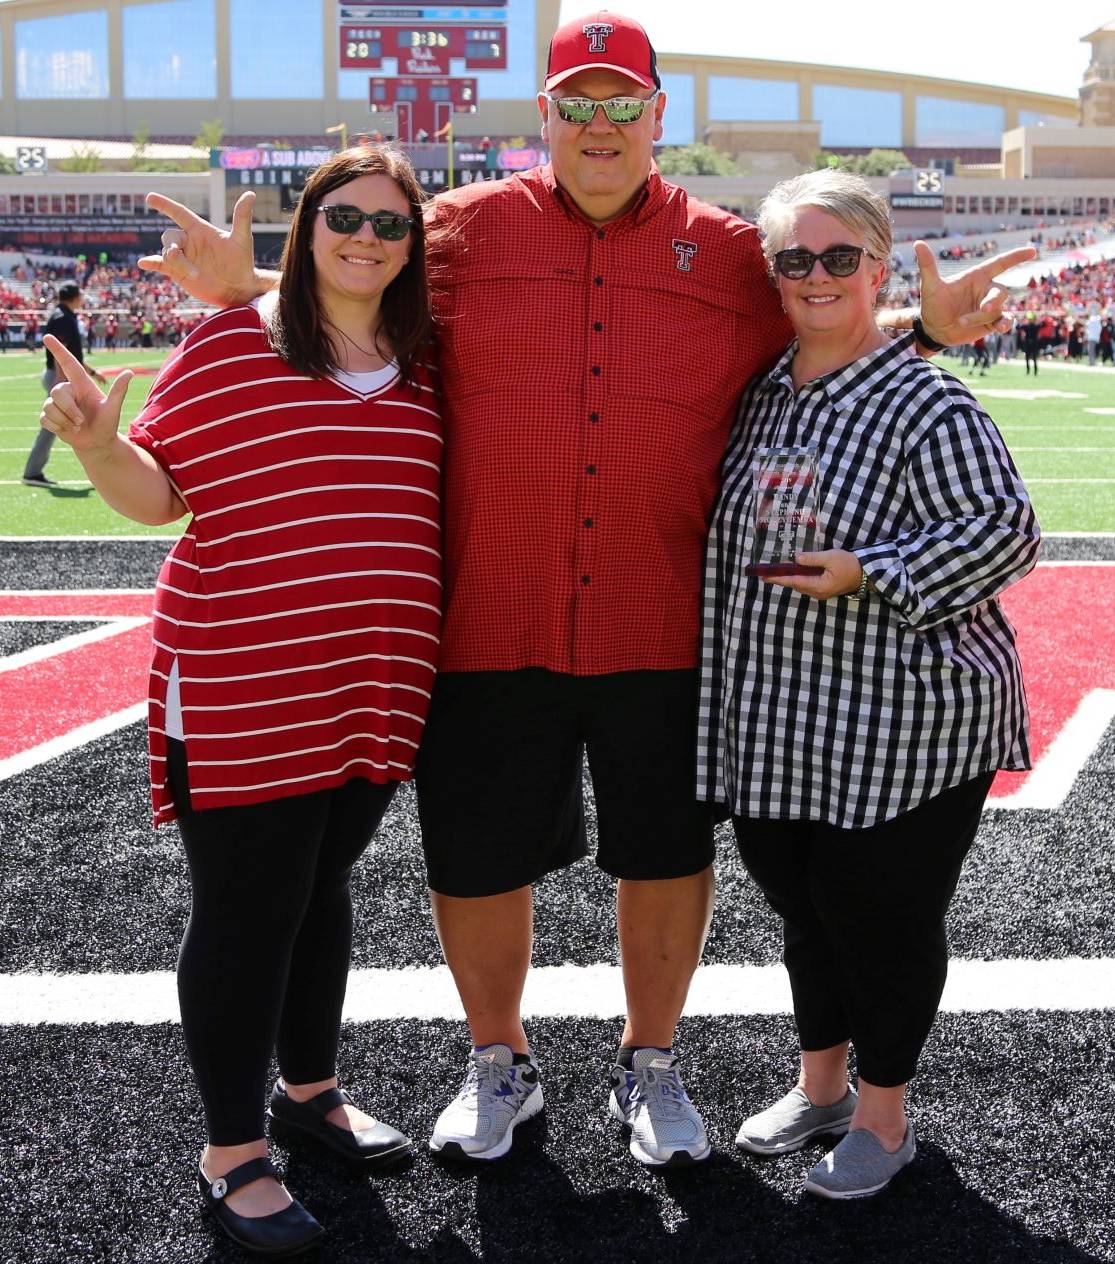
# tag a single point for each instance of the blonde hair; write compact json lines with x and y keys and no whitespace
{"x":846,"y":197}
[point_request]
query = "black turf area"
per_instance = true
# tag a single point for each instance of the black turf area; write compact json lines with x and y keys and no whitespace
{"x":100,"y":1126}
{"x":16,"y":637}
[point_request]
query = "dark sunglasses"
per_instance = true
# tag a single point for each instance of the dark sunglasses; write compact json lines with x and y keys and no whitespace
{"x":387,"y":225}
{"x":619,"y":110}
{"x":837,"y":261}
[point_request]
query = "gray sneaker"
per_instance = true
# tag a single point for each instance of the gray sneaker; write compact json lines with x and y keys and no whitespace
{"x":498,"y":1094}
{"x":859,"y":1166}
{"x":792,"y":1121}
{"x":651,"y":1102}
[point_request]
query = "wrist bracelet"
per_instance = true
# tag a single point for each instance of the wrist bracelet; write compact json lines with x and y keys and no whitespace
{"x":930,"y":344}
{"x":861,"y":591}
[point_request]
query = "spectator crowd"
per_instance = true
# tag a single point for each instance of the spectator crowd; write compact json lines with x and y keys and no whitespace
{"x":122,"y":306}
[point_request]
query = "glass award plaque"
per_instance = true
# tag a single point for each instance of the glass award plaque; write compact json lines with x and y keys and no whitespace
{"x":786,"y":511}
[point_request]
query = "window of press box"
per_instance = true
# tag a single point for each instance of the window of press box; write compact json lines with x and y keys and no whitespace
{"x":276,"y":50}
{"x":170,"y":50}
{"x":62,"y":58}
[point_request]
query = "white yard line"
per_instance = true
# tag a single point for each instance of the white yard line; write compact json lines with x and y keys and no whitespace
{"x":75,"y":592}
{"x":1079,"y":562}
{"x":37,"y":653}
{"x":1053,"y":366}
{"x":71,"y":741}
{"x":58,"y":482}
{"x":1072,"y":983}
{"x":92,"y":539}
{"x":58,"y":618}
{"x":1055,"y":773}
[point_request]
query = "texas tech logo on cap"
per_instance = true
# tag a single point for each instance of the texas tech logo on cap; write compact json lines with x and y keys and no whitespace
{"x":685,"y":250}
{"x":597,"y":33}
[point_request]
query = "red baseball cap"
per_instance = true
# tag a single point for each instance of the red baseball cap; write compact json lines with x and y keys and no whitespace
{"x":602,"y":41}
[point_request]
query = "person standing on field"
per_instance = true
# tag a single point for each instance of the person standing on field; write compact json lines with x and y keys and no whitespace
{"x":63,"y":325}
{"x":628,"y":316}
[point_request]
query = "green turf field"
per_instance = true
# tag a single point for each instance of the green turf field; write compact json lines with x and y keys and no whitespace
{"x":1060,"y":428}
{"x":72,"y":508}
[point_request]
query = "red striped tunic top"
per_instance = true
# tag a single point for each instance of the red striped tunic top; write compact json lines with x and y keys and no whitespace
{"x":303,"y":601}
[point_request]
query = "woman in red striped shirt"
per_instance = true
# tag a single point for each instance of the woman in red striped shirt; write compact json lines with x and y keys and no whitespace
{"x":296,"y":633}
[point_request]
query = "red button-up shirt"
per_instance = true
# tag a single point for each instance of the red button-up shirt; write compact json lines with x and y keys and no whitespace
{"x":591,"y":374}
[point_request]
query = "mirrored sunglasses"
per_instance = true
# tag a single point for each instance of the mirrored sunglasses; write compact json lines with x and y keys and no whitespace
{"x":387,"y":225}
{"x":619,"y":110}
{"x":837,"y":261}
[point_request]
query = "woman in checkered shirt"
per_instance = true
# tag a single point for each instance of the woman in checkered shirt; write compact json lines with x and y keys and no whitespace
{"x":853,"y":718}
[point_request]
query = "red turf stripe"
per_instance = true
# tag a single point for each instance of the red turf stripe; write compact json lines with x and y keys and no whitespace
{"x":1065,"y":619}
{"x":53,"y":696}
{"x":62,"y":605}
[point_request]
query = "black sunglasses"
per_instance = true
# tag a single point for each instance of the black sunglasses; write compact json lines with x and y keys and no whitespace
{"x":387,"y":225}
{"x":837,"y":261}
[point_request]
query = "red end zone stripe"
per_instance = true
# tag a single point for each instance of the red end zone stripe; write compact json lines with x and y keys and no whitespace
{"x":1065,"y":619}
{"x":1064,"y":615}
{"x":49,"y":698}
{"x":63,"y":605}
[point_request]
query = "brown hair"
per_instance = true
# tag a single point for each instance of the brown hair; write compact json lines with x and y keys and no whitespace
{"x":297,"y":331}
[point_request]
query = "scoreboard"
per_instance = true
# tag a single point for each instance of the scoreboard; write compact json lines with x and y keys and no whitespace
{"x":421,"y":38}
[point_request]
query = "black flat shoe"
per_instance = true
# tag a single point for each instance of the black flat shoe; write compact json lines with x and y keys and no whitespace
{"x":377,"y":1146}
{"x":287,"y":1232}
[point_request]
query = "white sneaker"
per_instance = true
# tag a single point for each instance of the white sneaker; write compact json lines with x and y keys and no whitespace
{"x":497,"y":1094}
{"x":651,"y":1101}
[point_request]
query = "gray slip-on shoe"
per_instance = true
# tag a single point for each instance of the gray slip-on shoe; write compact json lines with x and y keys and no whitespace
{"x":859,"y":1166}
{"x":792,"y":1121}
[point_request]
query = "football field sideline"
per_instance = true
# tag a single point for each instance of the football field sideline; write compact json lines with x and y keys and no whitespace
{"x":594,"y":991}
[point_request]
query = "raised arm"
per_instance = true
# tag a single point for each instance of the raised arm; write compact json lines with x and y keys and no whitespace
{"x":214,"y":266}
{"x":964,"y":306}
{"x":129,"y":479}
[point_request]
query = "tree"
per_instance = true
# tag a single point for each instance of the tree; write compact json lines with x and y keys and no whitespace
{"x":696,"y":160}
{"x":209,"y":136}
{"x":83,"y":157}
{"x":879,"y":162}
{"x":139,"y":160}
{"x":140,"y":142}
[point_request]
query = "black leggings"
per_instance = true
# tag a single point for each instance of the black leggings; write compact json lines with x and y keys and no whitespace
{"x":264,"y":960}
{"x":863,"y":915}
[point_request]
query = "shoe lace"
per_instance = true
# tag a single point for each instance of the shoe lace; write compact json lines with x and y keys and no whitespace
{"x":484,"y":1075}
{"x":662,"y":1090}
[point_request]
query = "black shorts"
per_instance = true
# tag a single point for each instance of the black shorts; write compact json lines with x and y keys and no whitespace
{"x":499,"y":777}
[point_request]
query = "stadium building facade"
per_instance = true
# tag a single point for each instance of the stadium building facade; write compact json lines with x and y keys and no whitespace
{"x":271,"y":68}
{"x":283,"y":77}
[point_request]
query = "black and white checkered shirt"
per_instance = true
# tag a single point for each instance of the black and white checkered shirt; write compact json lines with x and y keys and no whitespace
{"x":852,"y":712}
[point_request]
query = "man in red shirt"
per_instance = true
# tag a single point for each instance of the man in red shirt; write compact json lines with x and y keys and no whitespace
{"x":596,"y":326}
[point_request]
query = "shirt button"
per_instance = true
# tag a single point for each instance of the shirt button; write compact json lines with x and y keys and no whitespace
{"x":600,"y":234}
{"x":598,"y":325}
{"x":594,"y":416}
{"x":590,"y":469}
{"x":585,"y":579}
{"x":588,"y":522}
{"x":598,"y":280}
{"x":596,"y":370}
